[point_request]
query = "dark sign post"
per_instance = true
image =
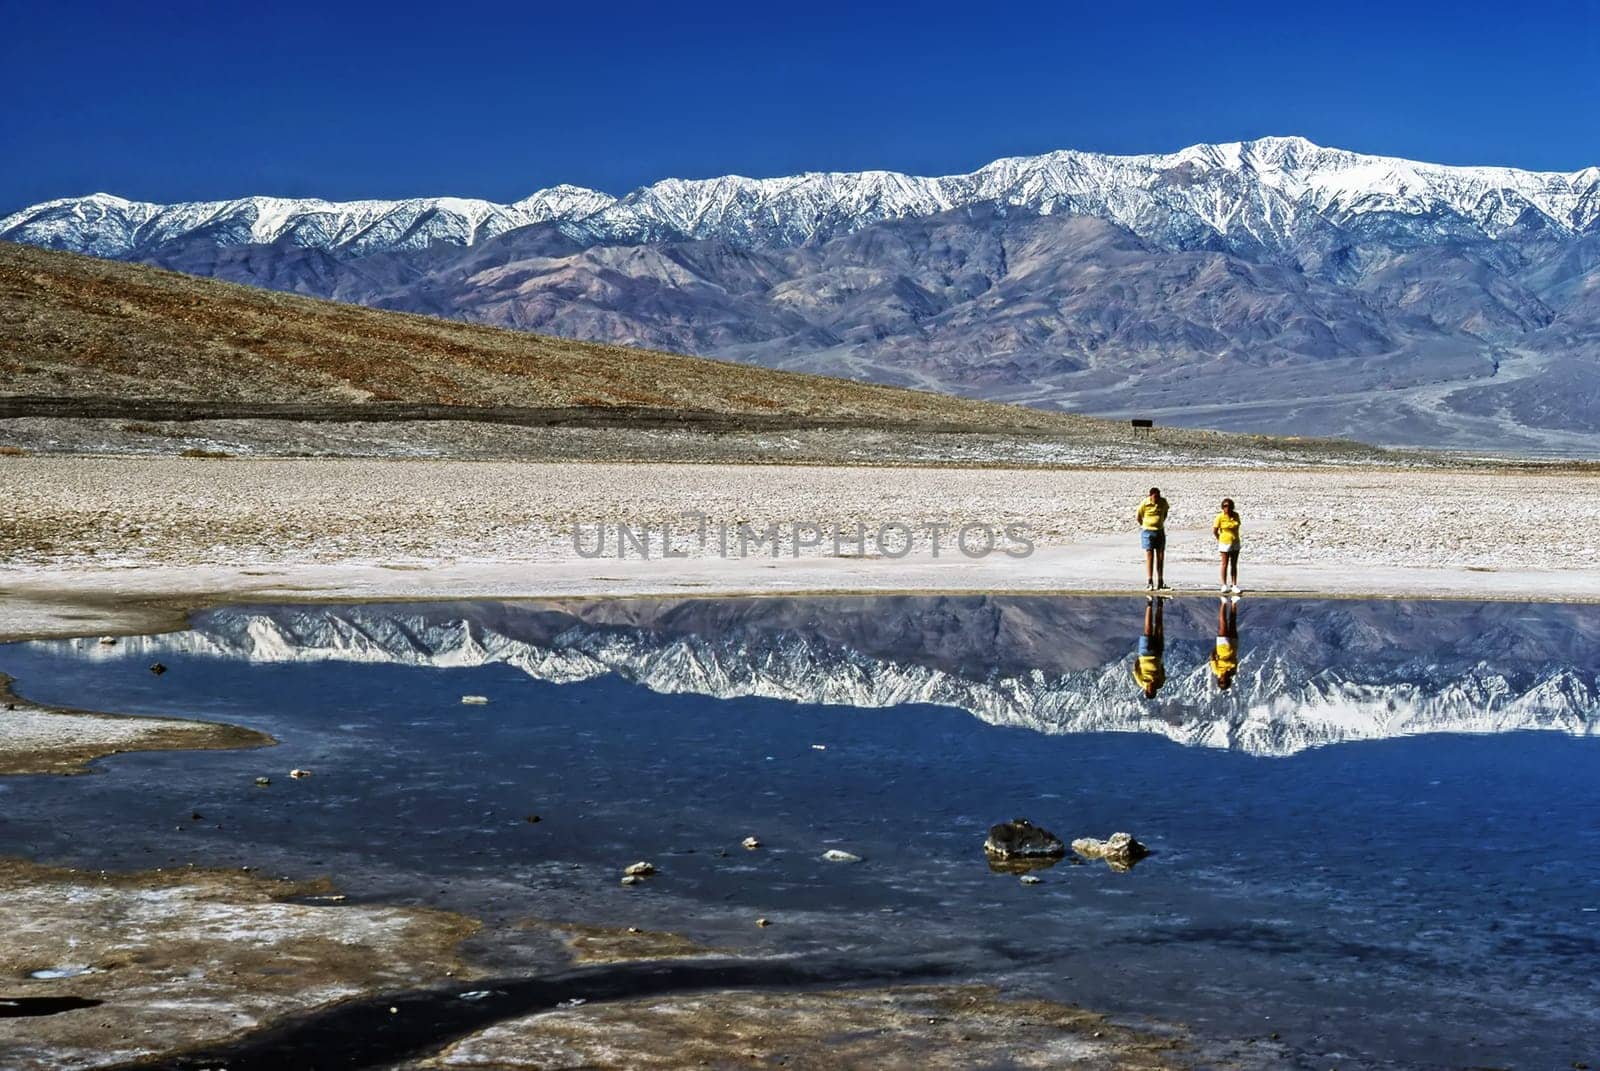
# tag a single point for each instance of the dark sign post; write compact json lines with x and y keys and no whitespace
{"x":1141,"y":426}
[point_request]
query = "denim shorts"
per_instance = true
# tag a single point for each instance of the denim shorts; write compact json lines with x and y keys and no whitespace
{"x":1152,"y":539}
{"x":1151,"y":645}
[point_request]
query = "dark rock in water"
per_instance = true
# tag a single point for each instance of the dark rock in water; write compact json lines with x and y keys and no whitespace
{"x":1021,"y":839}
{"x":158,"y":669}
{"x":1120,"y":850}
{"x":1022,"y":864}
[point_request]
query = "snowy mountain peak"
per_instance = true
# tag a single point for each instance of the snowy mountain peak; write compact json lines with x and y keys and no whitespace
{"x":1270,"y":192}
{"x":564,"y":202}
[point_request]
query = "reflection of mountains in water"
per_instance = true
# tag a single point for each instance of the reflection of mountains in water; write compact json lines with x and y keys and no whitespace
{"x":1310,"y":673}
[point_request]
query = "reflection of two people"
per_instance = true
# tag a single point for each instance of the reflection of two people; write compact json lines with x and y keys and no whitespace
{"x":1149,"y":667}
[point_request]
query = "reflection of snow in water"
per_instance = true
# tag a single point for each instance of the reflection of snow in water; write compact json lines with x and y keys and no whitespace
{"x":1324,"y":676}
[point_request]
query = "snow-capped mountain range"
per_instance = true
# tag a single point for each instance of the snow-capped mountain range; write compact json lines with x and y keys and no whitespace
{"x":1271,"y":191}
{"x":1306,"y":678}
{"x":108,"y":226}
{"x":1263,"y":286}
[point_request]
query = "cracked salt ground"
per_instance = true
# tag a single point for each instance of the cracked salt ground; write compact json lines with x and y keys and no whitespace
{"x":1320,"y":870}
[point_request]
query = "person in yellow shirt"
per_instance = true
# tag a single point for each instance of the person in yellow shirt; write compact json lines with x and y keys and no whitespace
{"x":1226,"y":530}
{"x":1152,"y":518}
{"x":1149,"y":671}
{"x":1225,"y":655}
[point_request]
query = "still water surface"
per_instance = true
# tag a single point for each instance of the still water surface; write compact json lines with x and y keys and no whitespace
{"x":1380,"y":842}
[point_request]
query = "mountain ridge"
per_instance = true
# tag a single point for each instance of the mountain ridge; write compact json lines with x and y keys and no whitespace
{"x":1336,"y":184}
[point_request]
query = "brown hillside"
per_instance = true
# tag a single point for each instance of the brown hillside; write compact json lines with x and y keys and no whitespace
{"x":77,"y":327}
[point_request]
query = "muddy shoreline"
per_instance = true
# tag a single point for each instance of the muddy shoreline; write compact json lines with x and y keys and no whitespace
{"x":36,"y":739}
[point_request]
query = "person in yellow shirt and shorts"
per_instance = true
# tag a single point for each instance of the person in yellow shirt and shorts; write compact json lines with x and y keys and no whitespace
{"x":1226,"y":531}
{"x":1225,"y":655}
{"x":1152,"y":518}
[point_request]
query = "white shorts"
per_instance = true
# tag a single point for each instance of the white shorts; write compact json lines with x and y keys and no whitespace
{"x":1227,"y":548}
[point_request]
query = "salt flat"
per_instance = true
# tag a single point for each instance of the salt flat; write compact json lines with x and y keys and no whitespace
{"x":88,"y":541}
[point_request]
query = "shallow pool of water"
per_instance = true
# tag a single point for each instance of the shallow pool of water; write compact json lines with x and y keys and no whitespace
{"x":1380,"y":842}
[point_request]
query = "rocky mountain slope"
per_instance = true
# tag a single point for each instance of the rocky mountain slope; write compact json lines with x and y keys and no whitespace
{"x":1310,"y":674}
{"x":1265,"y":285}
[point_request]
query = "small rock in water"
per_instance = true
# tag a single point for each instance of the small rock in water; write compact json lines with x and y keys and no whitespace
{"x":1120,"y":850}
{"x":475,"y":700}
{"x":1020,"y":838}
{"x":763,"y":923}
{"x":834,"y":855}
{"x":1030,"y":879}
{"x":158,"y":669}
{"x":297,"y":774}
{"x":632,"y":879}
{"x":263,"y":781}
{"x":107,"y":641}
{"x":532,"y":819}
{"x":639,"y":870}
{"x":751,"y":843}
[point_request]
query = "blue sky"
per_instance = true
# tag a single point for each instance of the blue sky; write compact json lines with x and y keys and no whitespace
{"x":183,"y":101}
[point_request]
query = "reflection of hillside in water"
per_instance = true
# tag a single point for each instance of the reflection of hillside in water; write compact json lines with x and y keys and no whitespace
{"x":1309,"y":673}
